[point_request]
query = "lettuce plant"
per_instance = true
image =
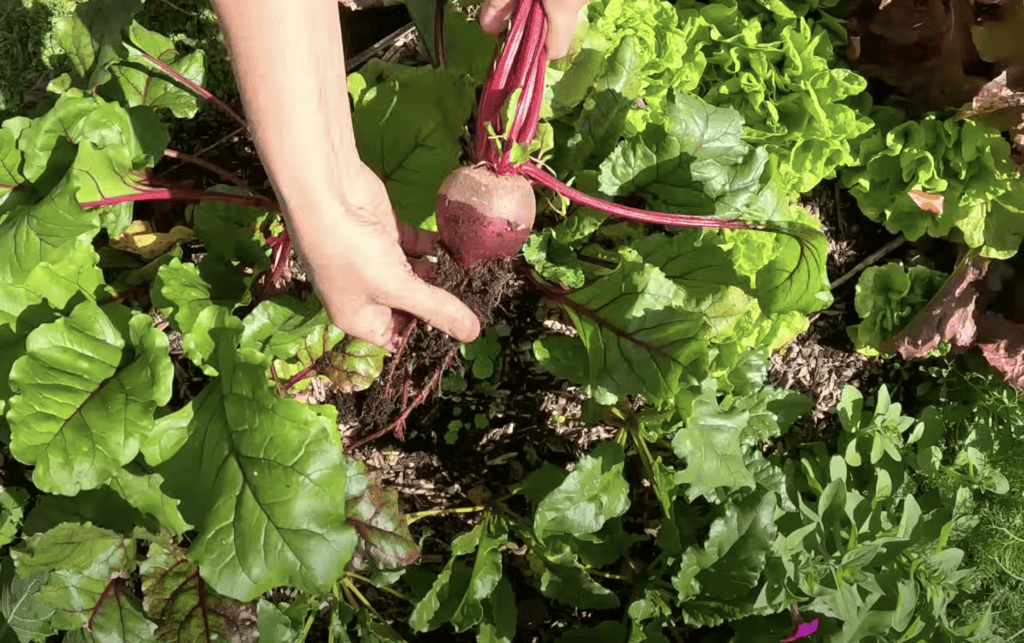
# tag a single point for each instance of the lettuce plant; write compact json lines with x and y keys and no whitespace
{"x":887,"y":298}
{"x":964,"y":165}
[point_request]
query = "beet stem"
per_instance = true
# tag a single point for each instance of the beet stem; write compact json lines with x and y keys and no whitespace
{"x":523,"y":110}
{"x":534,"y":173}
{"x":198,"y":89}
{"x":512,"y":42}
{"x":186,"y":194}
{"x":533,"y":117}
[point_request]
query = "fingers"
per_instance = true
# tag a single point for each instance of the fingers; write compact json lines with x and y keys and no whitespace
{"x":494,"y":15}
{"x":439,"y":308}
{"x":416,"y":242}
{"x":371,"y":322}
{"x":425,"y":270}
{"x":381,"y":321}
{"x":563,"y":19}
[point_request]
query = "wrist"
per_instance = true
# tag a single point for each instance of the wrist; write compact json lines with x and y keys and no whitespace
{"x":306,"y":199}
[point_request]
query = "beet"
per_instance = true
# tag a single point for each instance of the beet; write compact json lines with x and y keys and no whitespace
{"x":482,"y":215}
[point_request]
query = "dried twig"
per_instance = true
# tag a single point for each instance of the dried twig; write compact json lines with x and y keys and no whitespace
{"x":224,"y":174}
{"x":869,"y":260}
{"x":381,"y":46}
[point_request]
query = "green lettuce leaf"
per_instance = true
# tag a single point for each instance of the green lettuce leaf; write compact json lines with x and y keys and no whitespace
{"x":887,"y":298}
{"x":966,"y":163}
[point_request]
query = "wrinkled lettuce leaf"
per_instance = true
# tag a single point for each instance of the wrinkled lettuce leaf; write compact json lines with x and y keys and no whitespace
{"x":967,"y":163}
{"x":887,"y":298}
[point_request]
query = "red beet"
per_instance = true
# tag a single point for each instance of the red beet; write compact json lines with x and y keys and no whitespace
{"x":481,"y":215}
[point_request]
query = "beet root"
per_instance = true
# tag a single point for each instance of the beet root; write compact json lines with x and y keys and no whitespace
{"x":482,"y":215}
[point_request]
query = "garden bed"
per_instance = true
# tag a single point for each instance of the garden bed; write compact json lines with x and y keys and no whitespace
{"x":662,"y":434}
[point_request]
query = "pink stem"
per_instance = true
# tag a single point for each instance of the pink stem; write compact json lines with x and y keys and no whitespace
{"x":527,"y":56}
{"x":218,"y":103}
{"x":522,"y":112}
{"x":224,"y":175}
{"x":494,"y":95}
{"x":538,"y":175}
{"x":511,"y":48}
{"x":186,"y":194}
{"x":533,"y":118}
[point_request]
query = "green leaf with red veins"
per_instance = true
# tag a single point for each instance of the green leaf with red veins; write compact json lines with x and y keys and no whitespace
{"x":260,"y":477}
{"x":641,"y":333}
{"x":183,"y":606}
{"x":88,"y":570}
{"x":654,"y":165}
{"x":320,"y":341}
{"x":355,"y":364}
{"x":143,"y":84}
{"x":83,"y":405}
{"x":91,"y":37}
{"x":409,"y":125}
{"x":298,"y":333}
{"x":373,"y":511}
{"x":703,"y":270}
{"x":46,"y":133}
{"x":795,"y":278}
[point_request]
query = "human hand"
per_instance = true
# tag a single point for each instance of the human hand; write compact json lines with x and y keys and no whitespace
{"x":355,"y":250}
{"x":563,"y":18}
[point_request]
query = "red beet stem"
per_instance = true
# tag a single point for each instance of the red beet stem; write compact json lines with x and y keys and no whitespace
{"x":536,"y":174}
{"x":523,"y":110}
{"x":197,"y":89}
{"x":533,"y":116}
{"x":515,"y":67}
{"x":186,"y":194}
{"x":511,"y":48}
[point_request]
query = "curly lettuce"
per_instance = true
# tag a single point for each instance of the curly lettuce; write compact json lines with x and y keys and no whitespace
{"x":887,"y":298}
{"x":966,"y":163}
{"x":782,"y":77}
{"x":777,"y":72}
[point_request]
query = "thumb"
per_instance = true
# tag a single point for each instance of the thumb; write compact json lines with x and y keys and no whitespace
{"x":439,"y":308}
{"x":563,"y":19}
{"x":494,"y":14}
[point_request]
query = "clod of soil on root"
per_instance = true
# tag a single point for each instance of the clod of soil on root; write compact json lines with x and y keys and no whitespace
{"x":422,"y":356}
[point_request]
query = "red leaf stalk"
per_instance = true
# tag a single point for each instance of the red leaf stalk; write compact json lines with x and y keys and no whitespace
{"x":538,"y":175}
{"x":186,"y":194}
{"x":197,"y":89}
